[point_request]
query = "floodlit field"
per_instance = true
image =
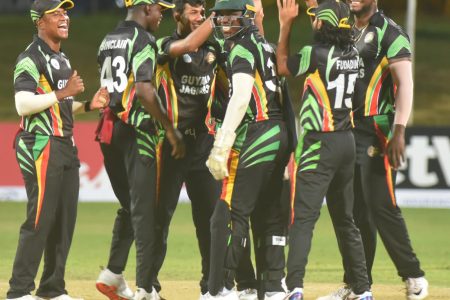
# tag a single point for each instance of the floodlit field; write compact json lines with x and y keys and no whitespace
{"x":429,"y":230}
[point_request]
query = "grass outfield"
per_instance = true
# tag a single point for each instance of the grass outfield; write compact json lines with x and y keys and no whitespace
{"x":428,"y":228}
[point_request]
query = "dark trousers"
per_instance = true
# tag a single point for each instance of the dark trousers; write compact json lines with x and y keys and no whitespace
{"x":203,"y":191}
{"x":130,"y":161}
{"x":375,"y":207}
{"x":49,"y":167}
{"x":325,"y":168}
{"x":256,"y":167}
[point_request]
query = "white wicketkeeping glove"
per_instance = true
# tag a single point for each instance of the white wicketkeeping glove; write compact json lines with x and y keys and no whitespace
{"x":218,"y":158}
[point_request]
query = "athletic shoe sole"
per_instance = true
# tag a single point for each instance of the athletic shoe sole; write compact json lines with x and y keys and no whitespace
{"x":109,"y":291}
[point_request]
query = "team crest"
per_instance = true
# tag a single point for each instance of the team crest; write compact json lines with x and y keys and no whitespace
{"x":373,"y":151}
{"x":54,"y":63}
{"x":187,"y":59}
{"x":369,"y":37}
{"x":210,"y":58}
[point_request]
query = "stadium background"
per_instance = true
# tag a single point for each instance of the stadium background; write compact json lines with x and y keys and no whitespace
{"x":425,"y":182}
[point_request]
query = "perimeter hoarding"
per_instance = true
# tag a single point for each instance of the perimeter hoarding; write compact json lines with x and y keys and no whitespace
{"x":424,"y":181}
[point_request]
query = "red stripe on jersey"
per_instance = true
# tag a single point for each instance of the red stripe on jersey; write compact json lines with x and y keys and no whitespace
{"x":376,"y":94}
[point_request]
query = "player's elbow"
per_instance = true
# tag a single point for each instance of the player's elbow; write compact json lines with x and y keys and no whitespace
{"x":21,"y":109}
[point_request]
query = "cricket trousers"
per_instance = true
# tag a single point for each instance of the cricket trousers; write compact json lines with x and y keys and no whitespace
{"x":324,"y":167}
{"x":256,"y":165}
{"x":203,"y":191}
{"x":50,"y":169}
{"x":376,"y":209}
{"x":130,"y":161}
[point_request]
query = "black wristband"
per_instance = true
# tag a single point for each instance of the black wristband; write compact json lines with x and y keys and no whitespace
{"x":87,"y":106}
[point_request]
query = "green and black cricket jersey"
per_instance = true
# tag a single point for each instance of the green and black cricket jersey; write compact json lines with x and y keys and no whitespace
{"x":265,"y":102}
{"x":327,"y":93}
{"x":127,"y":55}
{"x":382,"y":40}
{"x":186,"y":84}
{"x":40,"y":70}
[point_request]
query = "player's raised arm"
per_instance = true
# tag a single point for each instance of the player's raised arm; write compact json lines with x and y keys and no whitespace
{"x":287,"y":12}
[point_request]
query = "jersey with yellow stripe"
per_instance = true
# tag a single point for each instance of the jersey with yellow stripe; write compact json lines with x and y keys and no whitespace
{"x":252,"y":54}
{"x":328,"y":88}
{"x":380,"y":42}
{"x":40,"y":70}
{"x":127,"y":55}
{"x":186,"y":84}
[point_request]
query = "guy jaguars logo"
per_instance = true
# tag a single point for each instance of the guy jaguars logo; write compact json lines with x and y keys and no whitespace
{"x":369,"y":37}
{"x":210,"y":58}
{"x":187,"y":59}
{"x":54,"y":63}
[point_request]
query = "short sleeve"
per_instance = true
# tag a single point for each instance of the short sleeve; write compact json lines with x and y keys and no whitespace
{"x":300,"y":63}
{"x":26,"y":74}
{"x":242,"y":60}
{"x":397,"y":43}
{"x":144,"y":58}
{"x":163,"y":45}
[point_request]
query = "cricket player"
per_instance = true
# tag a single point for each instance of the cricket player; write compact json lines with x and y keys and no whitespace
{"x":249,"y":154}
{"x":129,"y":138}
{"x":188,"y":69}
{"x":45,"y":88}
{"x":382,"y":105}
{"x":325,"y":152}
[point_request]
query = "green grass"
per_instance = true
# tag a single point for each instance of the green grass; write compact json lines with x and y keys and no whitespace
{"x":432,"y":105}
{"x":428,"y":231}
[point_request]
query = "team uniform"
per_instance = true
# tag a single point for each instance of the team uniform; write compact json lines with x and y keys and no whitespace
{"x":48,"y":160}
{"x":375,"y":203}
{"x":256,"y":165}
{"x":185,"y":86}
{"x":324,"y":159}
{"x":127,"y":55}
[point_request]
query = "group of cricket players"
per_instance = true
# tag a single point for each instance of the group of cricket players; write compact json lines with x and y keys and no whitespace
{"x":210,"y":107}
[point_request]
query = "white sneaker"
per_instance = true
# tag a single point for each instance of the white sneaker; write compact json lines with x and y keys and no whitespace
{"x":275,"y":296}
{"x":340,"y":294}
{"x":295,"y":294}
{"x":113,"y":286}
{"x":203,"y":296}
{"x":416,"y":288}
{"x":363,"y":296}
{"x":248,"y":294}
{"x":65,"y":297}
{"x":225,"y":294}
{"x":141,"y":294}
{"x":26,"y":297}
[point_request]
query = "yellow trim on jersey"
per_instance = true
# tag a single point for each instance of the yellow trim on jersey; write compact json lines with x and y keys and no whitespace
{"x":377,"y":74}
{"x":318,"y":84}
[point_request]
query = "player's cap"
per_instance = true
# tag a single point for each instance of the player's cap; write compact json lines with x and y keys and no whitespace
{"x":334,"y":12}
{"x":42,"y":7}
{"x":164,"y":3}
{"x":244,"y":5}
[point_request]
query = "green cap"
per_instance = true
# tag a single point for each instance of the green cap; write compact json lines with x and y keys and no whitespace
{"x":165,"y":4}
{"x":234,"y":5}
{"x":334,"y":12}
{"x":42,"y":7}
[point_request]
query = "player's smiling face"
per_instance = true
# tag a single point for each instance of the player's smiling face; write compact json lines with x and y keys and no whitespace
{"x":230,"y":22}
{"x":55,"y":24}
{"x":361,"y":7}
{"x":154,"y":15}
{"x":192,"y":17}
